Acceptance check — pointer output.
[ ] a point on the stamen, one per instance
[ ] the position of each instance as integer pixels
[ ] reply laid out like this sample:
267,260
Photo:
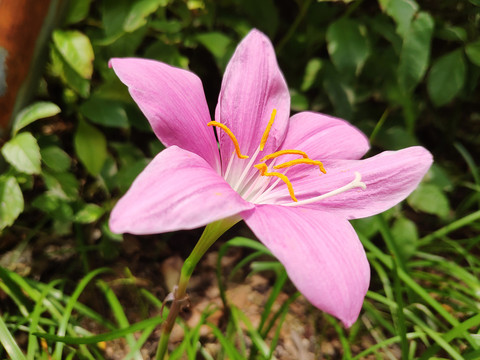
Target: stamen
301,161
357,182
267,130
284,152
229,133
263,171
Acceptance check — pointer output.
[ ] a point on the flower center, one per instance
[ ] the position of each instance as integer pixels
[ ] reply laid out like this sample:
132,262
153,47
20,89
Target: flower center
263,168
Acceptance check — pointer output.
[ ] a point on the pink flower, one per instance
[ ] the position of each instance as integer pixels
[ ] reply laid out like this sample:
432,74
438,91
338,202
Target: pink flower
300,213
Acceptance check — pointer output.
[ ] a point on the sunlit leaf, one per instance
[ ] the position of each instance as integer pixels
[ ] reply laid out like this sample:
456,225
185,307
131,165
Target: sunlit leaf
31,113
76,49
139,11
91,147
89,213
55,158
23,153
11,201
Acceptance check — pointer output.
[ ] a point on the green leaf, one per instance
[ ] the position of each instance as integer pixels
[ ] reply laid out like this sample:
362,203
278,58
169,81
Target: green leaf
9,343
11,201
105,112
402,11
76,50
311,71
415,53
89,214
36,111
473,52
55,158
430,199
405,235
218,44
62,185
58,208
139,11
77,11
23,153
339,93
67,74
446,77
91,147
347,45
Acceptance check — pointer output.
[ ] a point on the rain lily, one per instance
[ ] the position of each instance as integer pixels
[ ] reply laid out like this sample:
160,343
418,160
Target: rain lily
295,181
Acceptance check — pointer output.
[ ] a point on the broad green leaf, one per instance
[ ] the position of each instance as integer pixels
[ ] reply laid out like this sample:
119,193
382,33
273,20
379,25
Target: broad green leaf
58,208
299,102
77,11
91,147
473,52
68,75
405,235
31,113
127,174
55,158
23,153
446,77
76,50
415,53
11,201
339,93
139,11
218,44
105,112
402,11
62,185
89,214
347,45
311,71
430,199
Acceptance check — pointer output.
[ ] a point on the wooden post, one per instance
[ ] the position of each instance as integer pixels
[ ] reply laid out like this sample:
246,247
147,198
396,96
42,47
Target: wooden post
21,22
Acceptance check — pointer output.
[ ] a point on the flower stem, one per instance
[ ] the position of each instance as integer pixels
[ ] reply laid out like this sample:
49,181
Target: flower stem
211,233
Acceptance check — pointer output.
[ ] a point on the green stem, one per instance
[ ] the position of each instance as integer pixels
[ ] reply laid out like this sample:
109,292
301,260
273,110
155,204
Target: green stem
211,233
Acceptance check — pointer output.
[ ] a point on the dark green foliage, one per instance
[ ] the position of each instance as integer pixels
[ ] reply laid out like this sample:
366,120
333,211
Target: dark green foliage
406,72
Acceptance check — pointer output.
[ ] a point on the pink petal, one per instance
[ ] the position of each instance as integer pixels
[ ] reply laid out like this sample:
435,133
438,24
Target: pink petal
177,190
173,101
251,88
324,137
321,253
389,178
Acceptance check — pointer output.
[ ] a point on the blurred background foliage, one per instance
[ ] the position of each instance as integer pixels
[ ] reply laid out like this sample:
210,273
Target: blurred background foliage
405,72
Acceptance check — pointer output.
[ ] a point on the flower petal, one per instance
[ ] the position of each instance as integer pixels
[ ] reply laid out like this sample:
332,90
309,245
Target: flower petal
177,190
321,253
324,137
173,101
252,87
389,178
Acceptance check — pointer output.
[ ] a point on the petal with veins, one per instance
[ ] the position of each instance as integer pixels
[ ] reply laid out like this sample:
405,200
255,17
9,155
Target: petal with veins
177,190
321,253
174,103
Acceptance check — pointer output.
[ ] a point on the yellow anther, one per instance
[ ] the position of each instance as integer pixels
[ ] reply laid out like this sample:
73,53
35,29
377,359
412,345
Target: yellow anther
263,171
229,133
301,161
284,152
267,130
